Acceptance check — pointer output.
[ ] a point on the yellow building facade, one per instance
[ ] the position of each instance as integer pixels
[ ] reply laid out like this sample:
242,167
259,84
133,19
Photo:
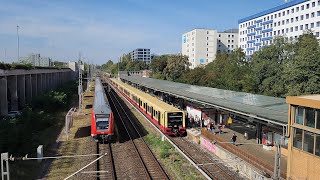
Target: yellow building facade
304,137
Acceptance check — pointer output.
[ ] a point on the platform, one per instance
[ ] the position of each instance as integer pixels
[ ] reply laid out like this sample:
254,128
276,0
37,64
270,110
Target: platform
249,151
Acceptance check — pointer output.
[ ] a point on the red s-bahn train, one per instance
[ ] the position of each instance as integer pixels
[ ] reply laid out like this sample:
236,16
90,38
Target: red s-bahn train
102,120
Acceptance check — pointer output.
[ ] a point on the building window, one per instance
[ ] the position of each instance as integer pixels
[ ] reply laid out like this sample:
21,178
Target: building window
291,29
317,34
207,38
301,27
297,9
312,25
292,10
279,14
309,117
287,30
318,116
301,17
307,16
279,23
318,24
297,138
220,34
296,28
302,7
307,26
297,18
299,115
287,21
313,4
282,22
317,148
312,15
307,6
232,35
283,13
318,13
291,20
207,32
308,142
288,12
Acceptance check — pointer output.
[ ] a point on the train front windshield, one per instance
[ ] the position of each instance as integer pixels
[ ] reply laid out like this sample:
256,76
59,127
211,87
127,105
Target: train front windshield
175,119
102,122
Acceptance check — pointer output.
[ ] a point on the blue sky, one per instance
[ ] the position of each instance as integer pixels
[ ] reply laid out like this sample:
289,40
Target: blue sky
103,30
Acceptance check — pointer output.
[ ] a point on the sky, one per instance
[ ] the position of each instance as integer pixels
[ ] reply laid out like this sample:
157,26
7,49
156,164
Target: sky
102,30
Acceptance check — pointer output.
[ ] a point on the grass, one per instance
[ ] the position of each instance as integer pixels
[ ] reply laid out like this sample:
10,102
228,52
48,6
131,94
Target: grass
61,168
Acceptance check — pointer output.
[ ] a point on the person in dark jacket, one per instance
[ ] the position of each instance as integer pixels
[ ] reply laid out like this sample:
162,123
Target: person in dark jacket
234,138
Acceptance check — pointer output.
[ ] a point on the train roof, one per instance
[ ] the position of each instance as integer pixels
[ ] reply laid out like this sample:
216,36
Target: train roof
101,104
148,98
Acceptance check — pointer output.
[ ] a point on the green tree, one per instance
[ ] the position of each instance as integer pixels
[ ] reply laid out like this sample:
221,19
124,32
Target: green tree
302,74
158,64
267,68
177,65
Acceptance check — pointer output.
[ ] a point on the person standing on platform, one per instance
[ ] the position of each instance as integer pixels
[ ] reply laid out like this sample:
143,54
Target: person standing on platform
234,139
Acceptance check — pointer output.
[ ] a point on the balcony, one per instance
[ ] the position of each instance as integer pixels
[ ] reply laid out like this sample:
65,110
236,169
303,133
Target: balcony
267,22
251,34
252,41
266,38
259,21
250,27
251,49
267,30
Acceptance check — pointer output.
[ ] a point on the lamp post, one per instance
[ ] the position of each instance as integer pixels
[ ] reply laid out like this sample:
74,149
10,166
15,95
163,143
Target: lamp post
18,40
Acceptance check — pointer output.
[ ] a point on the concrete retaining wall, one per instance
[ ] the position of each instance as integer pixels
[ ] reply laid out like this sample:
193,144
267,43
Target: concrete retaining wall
232,160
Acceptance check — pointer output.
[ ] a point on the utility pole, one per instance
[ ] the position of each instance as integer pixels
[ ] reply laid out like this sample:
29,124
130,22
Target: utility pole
80,84
119,60
277,160
18,42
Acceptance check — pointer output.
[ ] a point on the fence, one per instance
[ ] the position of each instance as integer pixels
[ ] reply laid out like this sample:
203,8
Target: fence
69,122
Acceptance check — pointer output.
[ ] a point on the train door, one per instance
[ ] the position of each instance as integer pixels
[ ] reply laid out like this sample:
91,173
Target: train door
139,102
159,118
147,108
152,112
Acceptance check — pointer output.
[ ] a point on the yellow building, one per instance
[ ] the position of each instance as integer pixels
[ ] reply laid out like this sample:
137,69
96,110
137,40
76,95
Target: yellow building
304,137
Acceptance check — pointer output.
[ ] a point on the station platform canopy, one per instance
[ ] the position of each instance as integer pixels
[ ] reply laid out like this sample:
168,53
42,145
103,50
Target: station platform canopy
266,108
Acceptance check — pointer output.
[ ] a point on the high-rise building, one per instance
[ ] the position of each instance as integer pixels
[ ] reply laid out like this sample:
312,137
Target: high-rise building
202,45
290,20
141,54
37,60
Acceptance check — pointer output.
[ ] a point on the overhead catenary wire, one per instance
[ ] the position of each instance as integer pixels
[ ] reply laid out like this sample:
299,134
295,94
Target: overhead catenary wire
85,167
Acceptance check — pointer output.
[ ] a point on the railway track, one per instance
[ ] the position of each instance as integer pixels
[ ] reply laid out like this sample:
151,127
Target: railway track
105,166
147,166
212,167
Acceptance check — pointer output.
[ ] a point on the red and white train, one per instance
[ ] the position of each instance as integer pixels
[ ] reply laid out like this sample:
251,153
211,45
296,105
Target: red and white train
102,120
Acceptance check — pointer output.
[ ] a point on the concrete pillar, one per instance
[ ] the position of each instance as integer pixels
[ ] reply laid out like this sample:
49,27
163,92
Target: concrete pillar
258,133
39,84
44,83
28,82
21,90
13,93
3,96
34,81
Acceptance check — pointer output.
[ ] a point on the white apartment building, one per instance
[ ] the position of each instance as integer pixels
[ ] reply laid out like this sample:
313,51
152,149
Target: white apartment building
141,54
202,45
228,40
290,20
